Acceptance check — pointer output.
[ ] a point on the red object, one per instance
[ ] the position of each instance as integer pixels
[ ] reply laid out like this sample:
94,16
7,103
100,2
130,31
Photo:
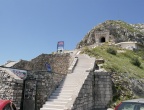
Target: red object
3,103
116,108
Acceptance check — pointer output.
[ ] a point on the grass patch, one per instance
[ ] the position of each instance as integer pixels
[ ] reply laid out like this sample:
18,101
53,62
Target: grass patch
121,62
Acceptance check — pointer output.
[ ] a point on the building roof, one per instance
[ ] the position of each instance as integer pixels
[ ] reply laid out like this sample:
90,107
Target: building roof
126,43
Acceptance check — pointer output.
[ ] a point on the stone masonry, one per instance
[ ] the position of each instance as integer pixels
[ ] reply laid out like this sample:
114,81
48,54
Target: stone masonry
99,35
96,92
102,90
10,87
59,63
85,100
45,85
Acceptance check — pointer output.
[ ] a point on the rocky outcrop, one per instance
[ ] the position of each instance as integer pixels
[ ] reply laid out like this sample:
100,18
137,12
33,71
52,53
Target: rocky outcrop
139,27
137,87
119,31
126,88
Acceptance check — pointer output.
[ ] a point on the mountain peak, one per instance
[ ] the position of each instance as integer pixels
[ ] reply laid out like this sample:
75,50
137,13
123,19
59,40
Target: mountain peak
113,31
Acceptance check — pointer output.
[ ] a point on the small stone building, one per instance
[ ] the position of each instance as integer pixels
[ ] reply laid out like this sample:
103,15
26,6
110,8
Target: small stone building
101,36
130,45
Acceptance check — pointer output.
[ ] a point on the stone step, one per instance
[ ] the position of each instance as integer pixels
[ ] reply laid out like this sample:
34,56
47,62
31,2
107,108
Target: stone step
56,102
64,91
74,77
73,82
68,84
56,94
50,109
60,96
60,100
68,87
53,106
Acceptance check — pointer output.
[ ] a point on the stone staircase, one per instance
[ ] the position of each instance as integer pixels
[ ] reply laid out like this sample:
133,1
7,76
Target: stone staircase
64,96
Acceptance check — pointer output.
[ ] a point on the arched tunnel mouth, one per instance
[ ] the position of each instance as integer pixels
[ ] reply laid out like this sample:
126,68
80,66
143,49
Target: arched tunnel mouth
102,39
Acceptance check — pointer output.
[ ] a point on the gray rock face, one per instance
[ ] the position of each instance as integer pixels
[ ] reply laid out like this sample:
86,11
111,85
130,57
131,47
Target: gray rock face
125,86
137,87
119,31
138,26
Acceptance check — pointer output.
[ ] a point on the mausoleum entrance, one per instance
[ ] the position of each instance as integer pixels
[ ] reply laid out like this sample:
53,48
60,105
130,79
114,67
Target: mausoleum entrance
102,39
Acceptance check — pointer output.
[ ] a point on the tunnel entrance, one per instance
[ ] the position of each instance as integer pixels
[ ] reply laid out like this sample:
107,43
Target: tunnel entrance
102,39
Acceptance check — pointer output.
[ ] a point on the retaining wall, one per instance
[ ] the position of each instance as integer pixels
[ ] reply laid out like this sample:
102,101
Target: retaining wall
85,100
102,90
96,92
45,84
10,87
58,62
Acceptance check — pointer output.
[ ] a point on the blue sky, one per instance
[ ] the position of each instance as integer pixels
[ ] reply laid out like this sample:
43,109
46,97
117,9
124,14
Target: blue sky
29,28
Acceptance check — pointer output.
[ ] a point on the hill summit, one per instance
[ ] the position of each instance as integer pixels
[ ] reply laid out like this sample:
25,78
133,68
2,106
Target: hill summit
113,31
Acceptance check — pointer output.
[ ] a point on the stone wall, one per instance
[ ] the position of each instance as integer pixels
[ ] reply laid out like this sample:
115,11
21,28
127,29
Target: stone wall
30,93
10,87
85,100
59,63
96,92
45,84
102,89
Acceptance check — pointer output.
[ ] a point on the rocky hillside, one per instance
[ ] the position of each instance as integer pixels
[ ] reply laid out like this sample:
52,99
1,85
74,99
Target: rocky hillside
119,31
139,27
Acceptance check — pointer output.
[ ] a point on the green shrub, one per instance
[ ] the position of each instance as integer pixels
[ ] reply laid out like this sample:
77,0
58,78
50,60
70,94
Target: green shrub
135,61
111,68
111,51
